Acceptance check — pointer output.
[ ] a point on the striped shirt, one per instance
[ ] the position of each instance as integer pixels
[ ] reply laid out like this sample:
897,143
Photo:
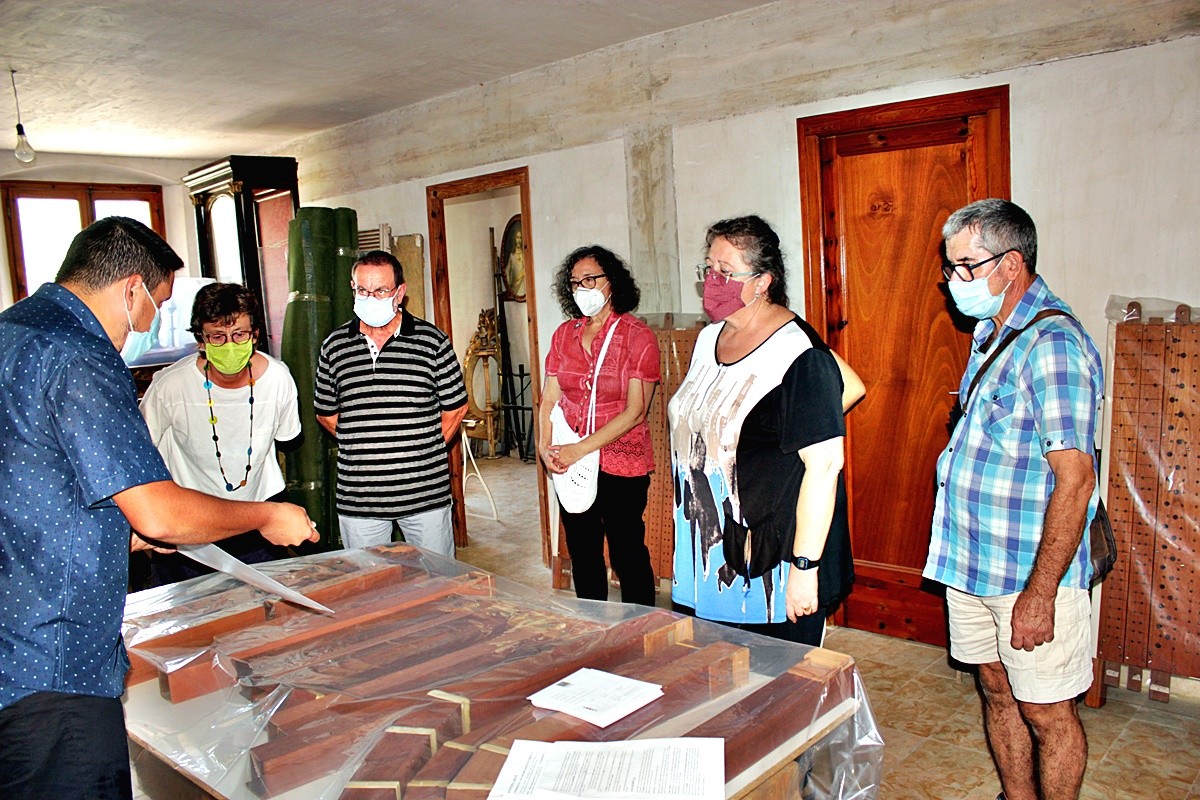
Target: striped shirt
1042,394
392,458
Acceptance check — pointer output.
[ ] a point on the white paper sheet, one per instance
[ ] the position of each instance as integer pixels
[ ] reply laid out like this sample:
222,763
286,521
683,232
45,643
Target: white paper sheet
680,769
600,698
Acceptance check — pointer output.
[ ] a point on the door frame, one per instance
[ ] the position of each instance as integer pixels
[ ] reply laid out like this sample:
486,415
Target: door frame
435,201
984,112
991,179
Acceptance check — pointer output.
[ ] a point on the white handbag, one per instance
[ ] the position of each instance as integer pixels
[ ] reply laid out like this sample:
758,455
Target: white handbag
576,488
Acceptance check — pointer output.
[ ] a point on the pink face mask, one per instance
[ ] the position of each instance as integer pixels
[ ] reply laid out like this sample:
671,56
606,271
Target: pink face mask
721,299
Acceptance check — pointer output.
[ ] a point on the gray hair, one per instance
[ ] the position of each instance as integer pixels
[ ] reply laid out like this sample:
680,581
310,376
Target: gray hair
1002,225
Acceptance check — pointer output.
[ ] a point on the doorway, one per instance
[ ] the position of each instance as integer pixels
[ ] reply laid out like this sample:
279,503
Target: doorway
494,188
876,185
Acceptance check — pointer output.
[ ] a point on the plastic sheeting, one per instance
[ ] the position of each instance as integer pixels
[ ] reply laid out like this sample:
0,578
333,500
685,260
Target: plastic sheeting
418,684
1150,608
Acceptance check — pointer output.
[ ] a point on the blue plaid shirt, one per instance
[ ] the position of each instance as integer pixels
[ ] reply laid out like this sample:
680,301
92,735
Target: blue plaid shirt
1042,394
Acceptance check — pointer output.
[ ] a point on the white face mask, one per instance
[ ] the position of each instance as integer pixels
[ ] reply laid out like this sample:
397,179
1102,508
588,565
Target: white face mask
375,312
590,301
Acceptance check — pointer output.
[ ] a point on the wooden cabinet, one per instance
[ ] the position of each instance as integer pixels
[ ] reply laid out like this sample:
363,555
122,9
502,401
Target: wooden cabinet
243,207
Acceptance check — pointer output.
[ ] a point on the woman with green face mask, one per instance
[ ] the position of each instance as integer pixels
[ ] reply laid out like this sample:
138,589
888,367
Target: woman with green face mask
220,416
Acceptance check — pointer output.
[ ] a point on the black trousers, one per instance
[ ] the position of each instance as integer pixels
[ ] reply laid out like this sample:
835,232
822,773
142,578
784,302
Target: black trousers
616,516
64,746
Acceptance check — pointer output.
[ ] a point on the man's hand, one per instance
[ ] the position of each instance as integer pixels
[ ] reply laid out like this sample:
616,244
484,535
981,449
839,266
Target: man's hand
801,593
289,526
1032,620
137,544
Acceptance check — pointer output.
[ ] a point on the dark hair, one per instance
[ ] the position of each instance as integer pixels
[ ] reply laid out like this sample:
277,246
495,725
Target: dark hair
220,303
625,292
759,245
114,248
380,258
1001,225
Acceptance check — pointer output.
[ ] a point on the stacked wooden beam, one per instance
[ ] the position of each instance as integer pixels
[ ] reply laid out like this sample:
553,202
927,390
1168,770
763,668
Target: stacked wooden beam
419,682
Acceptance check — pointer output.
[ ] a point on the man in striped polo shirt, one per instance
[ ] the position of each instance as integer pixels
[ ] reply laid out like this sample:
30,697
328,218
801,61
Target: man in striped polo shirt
390,390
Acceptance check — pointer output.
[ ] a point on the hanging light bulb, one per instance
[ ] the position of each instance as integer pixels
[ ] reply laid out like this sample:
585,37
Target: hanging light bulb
24,150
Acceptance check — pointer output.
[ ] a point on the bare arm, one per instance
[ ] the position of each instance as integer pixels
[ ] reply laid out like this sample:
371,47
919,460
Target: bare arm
853,389
329,423
551,393
166,512
636,403
1062,530
451,421
814,514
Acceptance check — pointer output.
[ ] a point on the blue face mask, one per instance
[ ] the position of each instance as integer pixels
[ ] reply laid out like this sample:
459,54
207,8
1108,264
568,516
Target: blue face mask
975,298
138,343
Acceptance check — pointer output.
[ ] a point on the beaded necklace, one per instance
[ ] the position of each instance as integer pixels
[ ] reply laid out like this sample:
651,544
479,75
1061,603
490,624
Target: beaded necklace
212,420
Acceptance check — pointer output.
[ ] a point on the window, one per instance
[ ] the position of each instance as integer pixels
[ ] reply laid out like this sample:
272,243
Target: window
41,219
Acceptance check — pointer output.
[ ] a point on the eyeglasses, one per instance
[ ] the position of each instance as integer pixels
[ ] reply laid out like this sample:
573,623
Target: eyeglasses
378,294
221,337
586,282
719,275
966,272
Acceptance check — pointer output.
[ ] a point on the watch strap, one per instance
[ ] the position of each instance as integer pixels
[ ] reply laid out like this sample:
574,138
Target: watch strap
800,562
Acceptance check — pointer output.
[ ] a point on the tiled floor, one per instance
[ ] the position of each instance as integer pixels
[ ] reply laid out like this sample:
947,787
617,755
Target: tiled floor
928,713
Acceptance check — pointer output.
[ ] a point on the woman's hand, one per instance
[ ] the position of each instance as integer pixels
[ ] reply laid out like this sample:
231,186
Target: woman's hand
801,593
568,454
550,457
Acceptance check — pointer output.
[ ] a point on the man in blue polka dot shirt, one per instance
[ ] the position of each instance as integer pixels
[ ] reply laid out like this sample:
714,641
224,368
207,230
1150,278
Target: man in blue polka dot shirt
77,471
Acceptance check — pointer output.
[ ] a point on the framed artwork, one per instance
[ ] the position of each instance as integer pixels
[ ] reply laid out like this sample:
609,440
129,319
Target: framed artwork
512,260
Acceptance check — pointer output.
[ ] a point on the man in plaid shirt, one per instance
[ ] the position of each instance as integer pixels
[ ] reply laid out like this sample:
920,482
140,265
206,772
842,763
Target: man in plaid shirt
1016,489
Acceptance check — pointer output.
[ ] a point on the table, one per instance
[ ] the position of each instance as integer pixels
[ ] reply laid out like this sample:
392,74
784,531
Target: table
417,685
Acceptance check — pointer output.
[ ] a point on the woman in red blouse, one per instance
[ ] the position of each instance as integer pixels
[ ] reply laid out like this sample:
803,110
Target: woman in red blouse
595,288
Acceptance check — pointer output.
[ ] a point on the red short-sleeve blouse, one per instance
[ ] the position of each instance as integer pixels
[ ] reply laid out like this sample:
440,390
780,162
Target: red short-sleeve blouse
633,353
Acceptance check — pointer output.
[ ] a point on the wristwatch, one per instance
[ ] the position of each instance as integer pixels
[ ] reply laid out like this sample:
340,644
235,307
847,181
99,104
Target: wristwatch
800,562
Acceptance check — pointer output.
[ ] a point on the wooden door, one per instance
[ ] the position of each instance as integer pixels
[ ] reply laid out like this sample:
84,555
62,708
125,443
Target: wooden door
876,186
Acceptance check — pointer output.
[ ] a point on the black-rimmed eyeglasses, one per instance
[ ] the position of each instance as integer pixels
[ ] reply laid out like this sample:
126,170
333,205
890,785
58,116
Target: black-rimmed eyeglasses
221,337
966,272
586,282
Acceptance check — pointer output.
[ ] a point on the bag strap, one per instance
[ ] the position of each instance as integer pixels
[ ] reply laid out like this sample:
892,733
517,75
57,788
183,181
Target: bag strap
591,423
1005,342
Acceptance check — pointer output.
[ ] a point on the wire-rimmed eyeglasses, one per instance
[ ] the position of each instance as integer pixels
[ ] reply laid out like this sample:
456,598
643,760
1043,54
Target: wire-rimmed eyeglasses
378,294
719,275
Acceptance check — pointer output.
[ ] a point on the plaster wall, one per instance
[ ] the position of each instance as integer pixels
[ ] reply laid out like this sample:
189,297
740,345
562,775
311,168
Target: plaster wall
578,196
168,173
1103,149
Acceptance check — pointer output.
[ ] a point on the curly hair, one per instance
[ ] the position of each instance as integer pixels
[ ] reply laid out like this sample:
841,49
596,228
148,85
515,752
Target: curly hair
221,303
625,292
759,245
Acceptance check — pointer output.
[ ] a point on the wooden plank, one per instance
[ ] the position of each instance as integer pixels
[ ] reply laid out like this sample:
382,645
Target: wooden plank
767,718
198,677
202,627
1175,599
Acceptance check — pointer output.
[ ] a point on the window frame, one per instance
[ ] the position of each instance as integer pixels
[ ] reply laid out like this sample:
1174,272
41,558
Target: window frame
85,194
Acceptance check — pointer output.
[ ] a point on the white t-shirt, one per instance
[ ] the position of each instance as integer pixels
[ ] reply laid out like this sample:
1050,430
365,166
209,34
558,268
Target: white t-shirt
176,411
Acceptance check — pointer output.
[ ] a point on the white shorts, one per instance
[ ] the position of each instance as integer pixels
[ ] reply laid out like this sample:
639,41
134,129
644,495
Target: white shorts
981,633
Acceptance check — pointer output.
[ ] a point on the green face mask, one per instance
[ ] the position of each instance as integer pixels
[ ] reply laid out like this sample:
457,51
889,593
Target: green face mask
229,358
